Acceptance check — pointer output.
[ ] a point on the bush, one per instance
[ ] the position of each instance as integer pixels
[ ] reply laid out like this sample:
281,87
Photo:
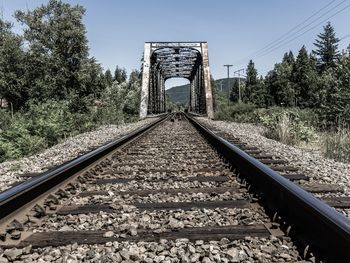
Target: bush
45,124
287,126
17,141
51,120
41,126
239,112
5,119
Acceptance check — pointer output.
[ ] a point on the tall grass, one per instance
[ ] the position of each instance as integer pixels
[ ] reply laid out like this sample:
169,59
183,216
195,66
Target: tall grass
283,129
337,144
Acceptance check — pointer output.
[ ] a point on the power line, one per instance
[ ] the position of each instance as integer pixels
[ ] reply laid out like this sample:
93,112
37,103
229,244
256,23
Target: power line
295,27
323,21
346,36
277,44
287,35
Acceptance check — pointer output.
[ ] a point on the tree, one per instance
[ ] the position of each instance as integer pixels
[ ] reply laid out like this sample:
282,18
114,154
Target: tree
304,77
120,75
280,86
57,55
288,57
133,94
251,81
335,83
12,86
259,94
108,78
327,48
234,91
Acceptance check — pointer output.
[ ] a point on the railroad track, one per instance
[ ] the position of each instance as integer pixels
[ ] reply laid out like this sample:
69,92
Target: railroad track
174,191
332,194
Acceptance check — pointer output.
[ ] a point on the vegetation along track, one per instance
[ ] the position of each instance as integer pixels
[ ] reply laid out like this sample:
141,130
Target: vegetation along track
173,191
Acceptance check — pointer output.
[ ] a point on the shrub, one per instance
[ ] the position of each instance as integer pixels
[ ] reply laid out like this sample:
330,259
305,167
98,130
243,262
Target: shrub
17,141
51,120
287,127
5,119
239,112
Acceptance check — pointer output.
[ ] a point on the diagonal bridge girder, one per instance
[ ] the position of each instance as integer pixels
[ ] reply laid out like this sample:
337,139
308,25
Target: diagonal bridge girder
165,60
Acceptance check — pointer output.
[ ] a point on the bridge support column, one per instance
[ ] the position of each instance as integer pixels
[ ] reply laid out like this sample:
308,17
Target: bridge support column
145,81
207,83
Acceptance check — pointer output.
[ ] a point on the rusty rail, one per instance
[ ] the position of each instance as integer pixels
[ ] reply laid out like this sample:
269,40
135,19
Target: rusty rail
16,197
315,223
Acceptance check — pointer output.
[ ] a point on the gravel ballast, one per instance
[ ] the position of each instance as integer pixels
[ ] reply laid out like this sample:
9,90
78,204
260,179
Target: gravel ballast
311,162
182,250
10,171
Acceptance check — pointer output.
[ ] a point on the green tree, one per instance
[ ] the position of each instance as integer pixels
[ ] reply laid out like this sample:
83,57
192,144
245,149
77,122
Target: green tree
289,58
108,77
57,55
251,81
327,48
280,87
133,94
335,83
259,94
120,75
304,78
12,86
234,90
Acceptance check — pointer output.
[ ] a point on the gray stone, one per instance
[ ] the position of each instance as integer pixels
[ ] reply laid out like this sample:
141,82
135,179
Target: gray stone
117,257
13,253
66,228
191,249
133,231
232,254
48,258
175,224
124,254
206,260
199,242
195,257
224,241
285,256
108,234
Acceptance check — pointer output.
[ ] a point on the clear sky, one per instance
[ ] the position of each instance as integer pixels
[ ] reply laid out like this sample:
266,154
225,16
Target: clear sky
234,30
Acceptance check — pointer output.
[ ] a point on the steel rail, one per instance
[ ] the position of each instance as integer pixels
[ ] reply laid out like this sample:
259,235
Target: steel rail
12,199
314,222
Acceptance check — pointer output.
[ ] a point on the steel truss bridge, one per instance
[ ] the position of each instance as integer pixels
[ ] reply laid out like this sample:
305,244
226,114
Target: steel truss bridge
165,60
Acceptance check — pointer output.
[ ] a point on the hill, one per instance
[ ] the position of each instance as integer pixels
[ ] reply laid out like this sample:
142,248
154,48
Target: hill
181,94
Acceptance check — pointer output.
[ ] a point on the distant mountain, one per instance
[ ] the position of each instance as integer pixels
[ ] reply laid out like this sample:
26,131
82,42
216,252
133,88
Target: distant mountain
181,94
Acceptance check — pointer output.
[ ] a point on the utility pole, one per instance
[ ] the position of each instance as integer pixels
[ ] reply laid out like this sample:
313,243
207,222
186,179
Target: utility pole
239,84
228,82
221,85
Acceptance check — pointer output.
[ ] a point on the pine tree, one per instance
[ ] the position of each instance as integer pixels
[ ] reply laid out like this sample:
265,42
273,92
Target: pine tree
234,91
251,81
304,78
108,77
336,106
288,57
259,93
119,75
327,48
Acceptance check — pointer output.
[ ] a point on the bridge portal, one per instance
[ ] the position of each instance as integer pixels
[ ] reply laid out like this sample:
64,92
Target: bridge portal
164,60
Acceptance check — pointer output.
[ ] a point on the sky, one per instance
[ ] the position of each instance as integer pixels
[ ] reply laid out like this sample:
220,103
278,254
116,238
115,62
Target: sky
236,31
